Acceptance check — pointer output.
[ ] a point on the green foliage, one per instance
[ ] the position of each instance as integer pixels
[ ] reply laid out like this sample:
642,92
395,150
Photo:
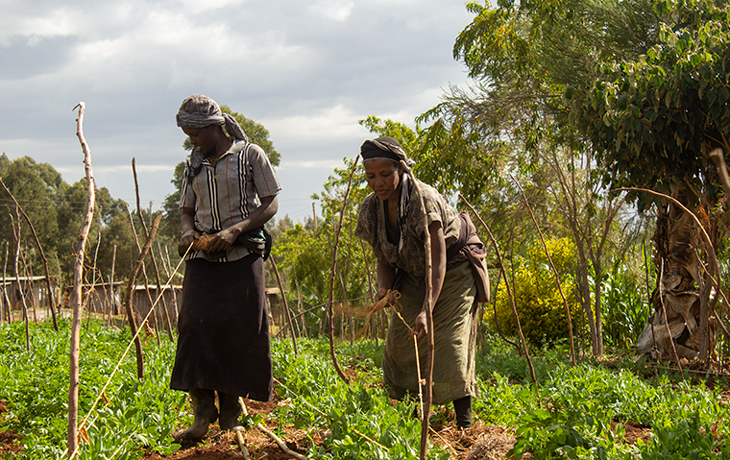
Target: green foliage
140,415
353,413
625,303
654,117
574,412
537,298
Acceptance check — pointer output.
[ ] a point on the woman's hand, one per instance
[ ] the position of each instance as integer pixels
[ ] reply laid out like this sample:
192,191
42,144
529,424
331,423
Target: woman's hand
420,329
186,240
224,239
382,292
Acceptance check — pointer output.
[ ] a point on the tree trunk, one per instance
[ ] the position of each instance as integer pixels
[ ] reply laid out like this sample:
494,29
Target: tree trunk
685,292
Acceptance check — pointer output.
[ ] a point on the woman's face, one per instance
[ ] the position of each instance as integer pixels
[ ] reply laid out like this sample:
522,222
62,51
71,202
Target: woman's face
203,139
383,176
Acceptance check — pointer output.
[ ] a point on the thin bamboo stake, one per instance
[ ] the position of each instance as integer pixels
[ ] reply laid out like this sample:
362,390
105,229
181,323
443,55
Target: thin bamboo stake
16,234
75,302
509,290
6,299
286,307
42,254
130,288
333,273
555,272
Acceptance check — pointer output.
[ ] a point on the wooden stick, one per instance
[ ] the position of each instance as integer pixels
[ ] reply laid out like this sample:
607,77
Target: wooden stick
239,440
152,256
333,273
40,251
666,318
428,306
21,291
509,290
282,445
286,307
555,272
6,299
75,302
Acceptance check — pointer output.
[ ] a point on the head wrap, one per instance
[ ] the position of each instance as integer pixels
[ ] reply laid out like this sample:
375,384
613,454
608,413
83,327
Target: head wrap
384,147
200,111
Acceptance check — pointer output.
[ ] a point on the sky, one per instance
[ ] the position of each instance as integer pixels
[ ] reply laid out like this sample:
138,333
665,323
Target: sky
307,70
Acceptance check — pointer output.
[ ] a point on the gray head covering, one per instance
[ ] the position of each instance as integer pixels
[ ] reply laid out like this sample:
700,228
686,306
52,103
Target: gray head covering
200,111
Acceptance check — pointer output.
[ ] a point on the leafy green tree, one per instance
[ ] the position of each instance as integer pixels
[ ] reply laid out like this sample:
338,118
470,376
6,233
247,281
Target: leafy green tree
37,188
653,119
639,85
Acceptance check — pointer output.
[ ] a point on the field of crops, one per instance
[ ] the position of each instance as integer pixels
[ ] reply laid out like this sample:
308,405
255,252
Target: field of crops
592,410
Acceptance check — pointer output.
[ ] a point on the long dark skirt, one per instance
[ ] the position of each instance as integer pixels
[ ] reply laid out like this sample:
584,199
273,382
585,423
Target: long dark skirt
223,327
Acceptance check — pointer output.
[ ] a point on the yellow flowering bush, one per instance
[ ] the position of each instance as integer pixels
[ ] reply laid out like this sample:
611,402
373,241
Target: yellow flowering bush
538,301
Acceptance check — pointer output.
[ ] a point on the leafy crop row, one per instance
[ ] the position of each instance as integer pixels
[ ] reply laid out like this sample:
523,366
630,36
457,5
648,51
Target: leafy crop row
574,412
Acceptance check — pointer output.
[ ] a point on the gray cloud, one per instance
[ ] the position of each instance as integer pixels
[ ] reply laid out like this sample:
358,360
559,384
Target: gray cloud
307,70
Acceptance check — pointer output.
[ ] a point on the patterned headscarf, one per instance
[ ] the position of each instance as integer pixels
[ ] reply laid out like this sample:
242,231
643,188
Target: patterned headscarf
384,147
200,111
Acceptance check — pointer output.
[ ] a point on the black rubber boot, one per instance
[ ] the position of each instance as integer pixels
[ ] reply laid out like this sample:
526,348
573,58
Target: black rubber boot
462,407
230,411
203,402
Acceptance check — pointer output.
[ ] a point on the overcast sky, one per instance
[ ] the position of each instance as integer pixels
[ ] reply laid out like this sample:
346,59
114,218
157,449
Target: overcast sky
308,70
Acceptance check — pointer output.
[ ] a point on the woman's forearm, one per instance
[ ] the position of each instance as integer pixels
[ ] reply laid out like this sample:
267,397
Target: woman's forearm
438,260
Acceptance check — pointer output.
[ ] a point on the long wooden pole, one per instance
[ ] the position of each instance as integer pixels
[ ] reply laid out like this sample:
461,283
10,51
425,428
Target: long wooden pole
503,271
286,307
40,250
555,272
75,301
5,299
130,289
330,308
21,290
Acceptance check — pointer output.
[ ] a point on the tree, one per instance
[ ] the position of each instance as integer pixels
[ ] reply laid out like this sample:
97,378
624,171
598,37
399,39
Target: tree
655,117
642,86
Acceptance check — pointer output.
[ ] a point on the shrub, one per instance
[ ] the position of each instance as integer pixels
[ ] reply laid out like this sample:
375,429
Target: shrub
538,301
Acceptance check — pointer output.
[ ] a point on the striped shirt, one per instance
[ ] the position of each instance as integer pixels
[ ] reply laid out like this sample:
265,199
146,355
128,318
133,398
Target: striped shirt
225,193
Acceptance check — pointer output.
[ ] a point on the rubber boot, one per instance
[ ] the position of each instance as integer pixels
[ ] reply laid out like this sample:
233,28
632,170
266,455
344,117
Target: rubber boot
462,407
203,402
230,411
